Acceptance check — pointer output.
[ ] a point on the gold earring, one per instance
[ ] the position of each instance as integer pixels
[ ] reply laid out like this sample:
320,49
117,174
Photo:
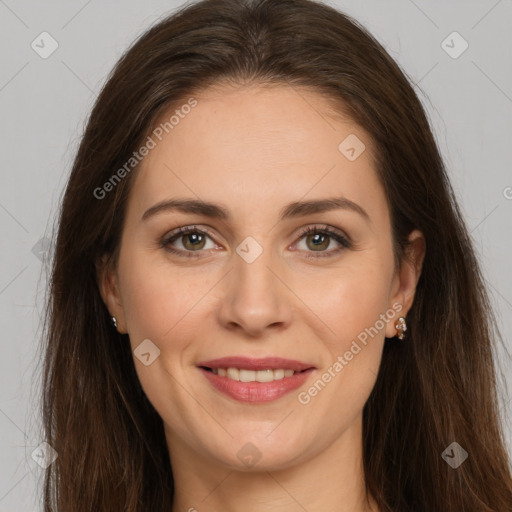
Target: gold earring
402,327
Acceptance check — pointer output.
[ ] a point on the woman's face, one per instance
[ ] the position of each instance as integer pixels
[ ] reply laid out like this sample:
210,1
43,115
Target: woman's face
250,284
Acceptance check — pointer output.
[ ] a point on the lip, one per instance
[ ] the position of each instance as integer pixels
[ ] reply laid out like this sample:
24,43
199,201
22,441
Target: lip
255,392
250,363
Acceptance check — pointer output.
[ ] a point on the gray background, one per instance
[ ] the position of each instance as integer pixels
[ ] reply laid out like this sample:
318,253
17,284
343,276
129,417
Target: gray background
44,103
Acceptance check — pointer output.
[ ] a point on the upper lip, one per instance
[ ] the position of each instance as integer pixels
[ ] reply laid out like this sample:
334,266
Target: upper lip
249,363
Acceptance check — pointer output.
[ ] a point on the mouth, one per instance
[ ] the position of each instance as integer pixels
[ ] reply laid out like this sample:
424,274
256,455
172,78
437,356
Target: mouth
255,380
245,375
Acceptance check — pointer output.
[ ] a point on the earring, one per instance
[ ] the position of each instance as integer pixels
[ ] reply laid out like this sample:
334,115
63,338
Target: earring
114,322
402,327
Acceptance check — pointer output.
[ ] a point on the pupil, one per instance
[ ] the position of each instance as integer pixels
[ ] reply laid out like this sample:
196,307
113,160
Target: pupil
193,239
319,240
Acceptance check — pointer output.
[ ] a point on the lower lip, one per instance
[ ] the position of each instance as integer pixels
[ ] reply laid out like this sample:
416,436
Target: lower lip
256,391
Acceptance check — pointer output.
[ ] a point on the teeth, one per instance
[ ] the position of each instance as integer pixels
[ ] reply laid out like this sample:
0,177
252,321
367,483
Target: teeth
279,374
253,375
233,373
247,375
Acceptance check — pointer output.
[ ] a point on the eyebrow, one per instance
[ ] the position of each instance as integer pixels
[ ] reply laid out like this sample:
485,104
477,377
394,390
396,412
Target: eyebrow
292,210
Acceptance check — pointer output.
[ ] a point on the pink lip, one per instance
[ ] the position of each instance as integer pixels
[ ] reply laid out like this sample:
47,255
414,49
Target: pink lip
256,391
249,363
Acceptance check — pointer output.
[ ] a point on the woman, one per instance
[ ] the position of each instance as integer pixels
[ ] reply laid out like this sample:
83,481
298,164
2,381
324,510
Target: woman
264,296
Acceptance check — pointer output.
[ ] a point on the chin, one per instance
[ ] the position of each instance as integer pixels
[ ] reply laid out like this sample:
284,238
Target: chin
259,452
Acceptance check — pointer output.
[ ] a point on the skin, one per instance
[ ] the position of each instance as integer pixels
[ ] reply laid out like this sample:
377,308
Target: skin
254,150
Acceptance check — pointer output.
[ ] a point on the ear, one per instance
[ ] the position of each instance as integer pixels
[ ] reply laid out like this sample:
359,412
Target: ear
405,280
107,280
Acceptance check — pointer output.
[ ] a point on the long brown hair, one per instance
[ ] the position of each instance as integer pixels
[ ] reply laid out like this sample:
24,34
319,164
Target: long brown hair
436,387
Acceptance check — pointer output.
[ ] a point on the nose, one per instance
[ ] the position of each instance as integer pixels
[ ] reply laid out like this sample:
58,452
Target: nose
255,297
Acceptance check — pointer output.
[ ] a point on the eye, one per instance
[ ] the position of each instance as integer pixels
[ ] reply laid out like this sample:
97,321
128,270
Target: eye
190,238
318,238
193,240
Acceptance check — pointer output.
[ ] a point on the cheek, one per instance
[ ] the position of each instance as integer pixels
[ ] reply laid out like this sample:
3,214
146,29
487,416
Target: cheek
352,307
158,305
153,299
350,301
165,303
159,297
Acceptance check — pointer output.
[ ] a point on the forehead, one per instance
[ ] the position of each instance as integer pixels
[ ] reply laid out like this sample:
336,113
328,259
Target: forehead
259,146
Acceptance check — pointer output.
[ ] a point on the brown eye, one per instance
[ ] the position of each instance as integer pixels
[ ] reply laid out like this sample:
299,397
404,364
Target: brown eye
187,240
318,239
193,241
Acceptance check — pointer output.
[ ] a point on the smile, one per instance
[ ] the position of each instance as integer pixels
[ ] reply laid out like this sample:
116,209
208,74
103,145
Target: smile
242,375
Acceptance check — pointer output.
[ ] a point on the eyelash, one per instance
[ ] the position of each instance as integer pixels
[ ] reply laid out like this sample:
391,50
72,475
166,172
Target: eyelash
310,230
